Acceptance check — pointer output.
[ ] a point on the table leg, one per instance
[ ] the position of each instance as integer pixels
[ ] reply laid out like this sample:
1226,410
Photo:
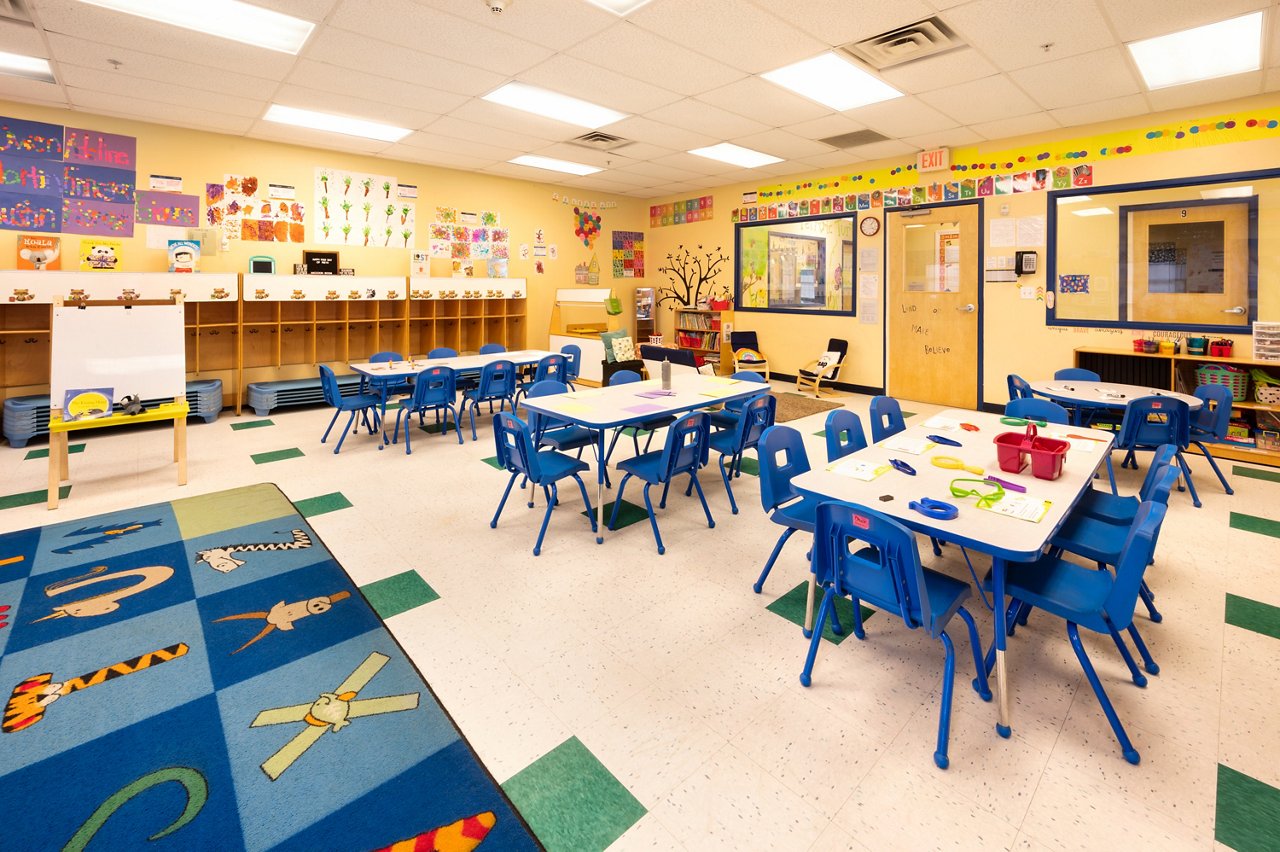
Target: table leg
600,488
1003,727
808,607
64,455
55,466
180,447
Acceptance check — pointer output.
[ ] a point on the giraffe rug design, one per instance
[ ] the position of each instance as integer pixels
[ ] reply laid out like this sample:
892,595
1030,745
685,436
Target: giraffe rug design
203,674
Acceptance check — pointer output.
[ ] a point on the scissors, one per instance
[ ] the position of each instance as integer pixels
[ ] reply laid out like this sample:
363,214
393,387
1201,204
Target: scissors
953,463
902,467
936,509
938,439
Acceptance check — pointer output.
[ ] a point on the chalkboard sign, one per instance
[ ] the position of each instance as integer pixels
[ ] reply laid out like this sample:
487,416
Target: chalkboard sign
320,262
135,349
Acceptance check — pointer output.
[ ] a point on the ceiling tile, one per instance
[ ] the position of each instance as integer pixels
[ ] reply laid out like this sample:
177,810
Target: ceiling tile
829,125
153,111
1206,92
834,160
981,100
901,117
645,151
22,39
631,51
837,22
436,158
314,99
22,89
556,24
590,82
89,80
468,131
657,171
308,10
746,36
438,33
699,167
579,154
934,72
1101,110
1017,126
1011,32
361,53
656,133
438,143
1096,76
752,96
321,139
497,120
782,144
704,118
524,173
383,90
1138,19
953,138
883,150
673,189
599,182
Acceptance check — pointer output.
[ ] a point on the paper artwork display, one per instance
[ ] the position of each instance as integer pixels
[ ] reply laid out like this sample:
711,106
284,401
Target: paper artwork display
39,252
1073,283
167,208
464,235
100,255
628,254
359,209
586,226
241,207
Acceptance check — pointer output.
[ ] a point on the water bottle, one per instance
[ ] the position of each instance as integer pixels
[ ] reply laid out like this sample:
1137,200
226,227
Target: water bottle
666,374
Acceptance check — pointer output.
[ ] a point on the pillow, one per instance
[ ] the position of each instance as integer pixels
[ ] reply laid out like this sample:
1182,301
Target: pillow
624,349
607,338
828,359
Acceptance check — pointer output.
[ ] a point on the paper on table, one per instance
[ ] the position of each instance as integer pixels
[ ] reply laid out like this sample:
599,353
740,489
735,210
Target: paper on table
1024,507
569,407
857,469
913,446
588,393
656,394
719,392
644,408
946,424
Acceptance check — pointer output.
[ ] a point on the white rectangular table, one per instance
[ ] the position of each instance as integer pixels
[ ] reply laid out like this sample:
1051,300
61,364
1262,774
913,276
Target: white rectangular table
600,409
1005,539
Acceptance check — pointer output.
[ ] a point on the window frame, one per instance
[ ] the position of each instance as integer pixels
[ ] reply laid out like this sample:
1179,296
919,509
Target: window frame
768,224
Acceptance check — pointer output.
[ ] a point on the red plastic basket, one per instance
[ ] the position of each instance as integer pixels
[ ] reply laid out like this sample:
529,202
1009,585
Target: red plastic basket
1047,455
1010,451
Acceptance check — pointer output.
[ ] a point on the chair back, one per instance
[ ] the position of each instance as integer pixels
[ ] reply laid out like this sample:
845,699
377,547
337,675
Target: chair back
552,367
749,376
572,353
1163,457
329,386
841,348
757,415
497,379
1150,421
682,361
492,348
434,386
844,434
887,574
443,352
1214,414
782,458
1037,409
886,418
1139,546
743,340
686,447
1019,388
385,357
1076,374
540,423
624,377
514,444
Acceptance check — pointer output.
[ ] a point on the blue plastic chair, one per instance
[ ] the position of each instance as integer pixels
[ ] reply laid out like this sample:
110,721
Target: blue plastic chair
844,434
783,458
1149,422
572,353
886,418
551,368
1211,422
363,403
626,377
1076,374
1122,510
1031,408
544,469
443,352
684,452
1096,600
492,348
745,435
555,433
434,391
727,417
889,576
1019,388
384,386
497,384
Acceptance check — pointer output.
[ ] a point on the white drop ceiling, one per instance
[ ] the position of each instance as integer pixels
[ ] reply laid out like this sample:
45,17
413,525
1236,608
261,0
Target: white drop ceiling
685,71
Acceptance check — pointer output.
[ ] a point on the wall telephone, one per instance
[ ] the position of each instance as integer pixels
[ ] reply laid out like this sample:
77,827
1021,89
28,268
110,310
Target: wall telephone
1025,262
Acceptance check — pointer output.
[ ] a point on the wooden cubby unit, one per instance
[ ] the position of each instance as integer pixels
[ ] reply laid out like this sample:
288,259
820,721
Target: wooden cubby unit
702,333
465,313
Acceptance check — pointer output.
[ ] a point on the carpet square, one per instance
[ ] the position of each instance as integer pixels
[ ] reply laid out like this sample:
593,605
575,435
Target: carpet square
251,424
1254,473
628,514
492,461
85,543
1248,812
276,455
791,606
225,510
1253,615
571,801
399,593
31,498
749,466
43,453
325,503
1254,524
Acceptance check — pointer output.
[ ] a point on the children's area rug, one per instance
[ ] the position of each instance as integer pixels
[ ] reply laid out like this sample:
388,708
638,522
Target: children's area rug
202,674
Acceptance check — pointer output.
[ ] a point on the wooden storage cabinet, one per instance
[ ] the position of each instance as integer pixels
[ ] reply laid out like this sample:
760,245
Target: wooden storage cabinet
702,332
465,313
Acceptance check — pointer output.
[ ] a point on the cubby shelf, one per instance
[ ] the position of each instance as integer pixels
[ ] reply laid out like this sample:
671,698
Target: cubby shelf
703,332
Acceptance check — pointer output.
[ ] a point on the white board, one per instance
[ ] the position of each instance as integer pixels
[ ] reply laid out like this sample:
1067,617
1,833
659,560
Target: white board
139,349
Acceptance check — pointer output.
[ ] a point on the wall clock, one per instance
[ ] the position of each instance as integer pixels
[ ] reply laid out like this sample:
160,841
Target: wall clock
870,226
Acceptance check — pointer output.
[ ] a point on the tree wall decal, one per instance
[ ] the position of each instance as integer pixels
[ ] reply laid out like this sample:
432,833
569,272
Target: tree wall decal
691,276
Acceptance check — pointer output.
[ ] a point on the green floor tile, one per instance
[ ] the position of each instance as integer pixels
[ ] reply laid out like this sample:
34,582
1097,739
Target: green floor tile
629,514
820,434
1253,615
251,424
1253,524
1254,473
276,455
1248,812
791,607
31,498
44,453
750,466
571,801
401,593
312,506
907,414
492,461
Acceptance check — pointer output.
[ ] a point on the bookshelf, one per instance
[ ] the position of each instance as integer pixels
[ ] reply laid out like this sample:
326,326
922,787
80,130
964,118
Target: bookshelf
702,332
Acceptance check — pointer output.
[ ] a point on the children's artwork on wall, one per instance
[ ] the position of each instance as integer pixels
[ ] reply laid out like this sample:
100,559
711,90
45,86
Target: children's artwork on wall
100,149
1073,283
497,267
1062,177
167,208
537,267
1082,176
440,248
586,226
243,208
80,216
354,208
39,252
100,255
628,254
25,211
680,212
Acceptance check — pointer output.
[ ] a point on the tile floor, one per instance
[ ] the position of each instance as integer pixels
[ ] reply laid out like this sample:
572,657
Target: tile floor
653,702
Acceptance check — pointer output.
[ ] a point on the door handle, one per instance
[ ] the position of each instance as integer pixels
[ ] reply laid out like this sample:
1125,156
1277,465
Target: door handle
1238,309
968,309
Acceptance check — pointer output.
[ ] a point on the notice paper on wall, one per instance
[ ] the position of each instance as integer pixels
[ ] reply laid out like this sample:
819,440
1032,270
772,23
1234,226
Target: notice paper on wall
868,259
1003,233
1030,230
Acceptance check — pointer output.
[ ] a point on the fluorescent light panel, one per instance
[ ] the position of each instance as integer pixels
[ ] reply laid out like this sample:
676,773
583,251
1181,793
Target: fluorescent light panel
1093,211
554,165
343,124
1228,47
229,19
31,67
554,105
736,155
1228,192
1073,199
620,8
833,82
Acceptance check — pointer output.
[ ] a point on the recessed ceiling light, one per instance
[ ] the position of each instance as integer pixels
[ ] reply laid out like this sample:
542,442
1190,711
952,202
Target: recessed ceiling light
553,105
31,67
1228,192
552,164
1093,211
1228,47
230,19
1073,199
736,155
346,125
618,7
833,82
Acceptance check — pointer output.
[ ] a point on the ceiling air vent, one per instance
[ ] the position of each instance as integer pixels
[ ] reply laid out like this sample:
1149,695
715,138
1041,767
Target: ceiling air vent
15,10
853,140
595,140
929,37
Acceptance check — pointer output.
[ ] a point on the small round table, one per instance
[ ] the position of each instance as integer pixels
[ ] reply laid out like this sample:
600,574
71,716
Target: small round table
1081,396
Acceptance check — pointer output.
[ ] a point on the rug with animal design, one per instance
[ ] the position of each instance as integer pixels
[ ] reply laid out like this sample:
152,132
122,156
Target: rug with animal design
203,674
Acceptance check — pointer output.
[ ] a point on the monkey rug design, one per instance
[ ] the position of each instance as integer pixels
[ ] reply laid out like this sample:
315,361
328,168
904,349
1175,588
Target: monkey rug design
203,674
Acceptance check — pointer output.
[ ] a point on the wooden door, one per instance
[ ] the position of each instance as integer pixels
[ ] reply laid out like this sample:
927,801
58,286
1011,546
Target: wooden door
932,300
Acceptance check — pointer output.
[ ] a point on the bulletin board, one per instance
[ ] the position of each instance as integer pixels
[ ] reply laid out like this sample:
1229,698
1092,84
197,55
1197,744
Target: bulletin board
134,349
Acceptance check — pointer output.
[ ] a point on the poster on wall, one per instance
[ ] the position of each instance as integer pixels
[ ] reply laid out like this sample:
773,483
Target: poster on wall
462,235
628,254
101,255
168,208
357,209
242,208
38,252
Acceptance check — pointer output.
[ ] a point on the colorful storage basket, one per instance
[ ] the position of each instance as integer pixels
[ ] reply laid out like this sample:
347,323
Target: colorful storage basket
1266,388
1234,378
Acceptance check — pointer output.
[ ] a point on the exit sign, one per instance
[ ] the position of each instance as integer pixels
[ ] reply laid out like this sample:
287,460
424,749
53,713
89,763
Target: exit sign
932,161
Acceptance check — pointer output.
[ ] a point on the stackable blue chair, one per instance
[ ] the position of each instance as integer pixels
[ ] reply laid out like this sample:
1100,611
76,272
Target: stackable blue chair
626,377
1031,408
492,348
443,352
558,434
844,434
1019,388
572,353
434,391
888,575
782,459
1210,424
497,384
1122,510
685,452
1096,600
363,403
745,435
886,418
386,386
1076,374
727,417
516,454
551,368
1152,421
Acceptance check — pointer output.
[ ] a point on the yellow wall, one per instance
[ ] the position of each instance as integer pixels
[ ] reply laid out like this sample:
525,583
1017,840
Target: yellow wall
199,157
